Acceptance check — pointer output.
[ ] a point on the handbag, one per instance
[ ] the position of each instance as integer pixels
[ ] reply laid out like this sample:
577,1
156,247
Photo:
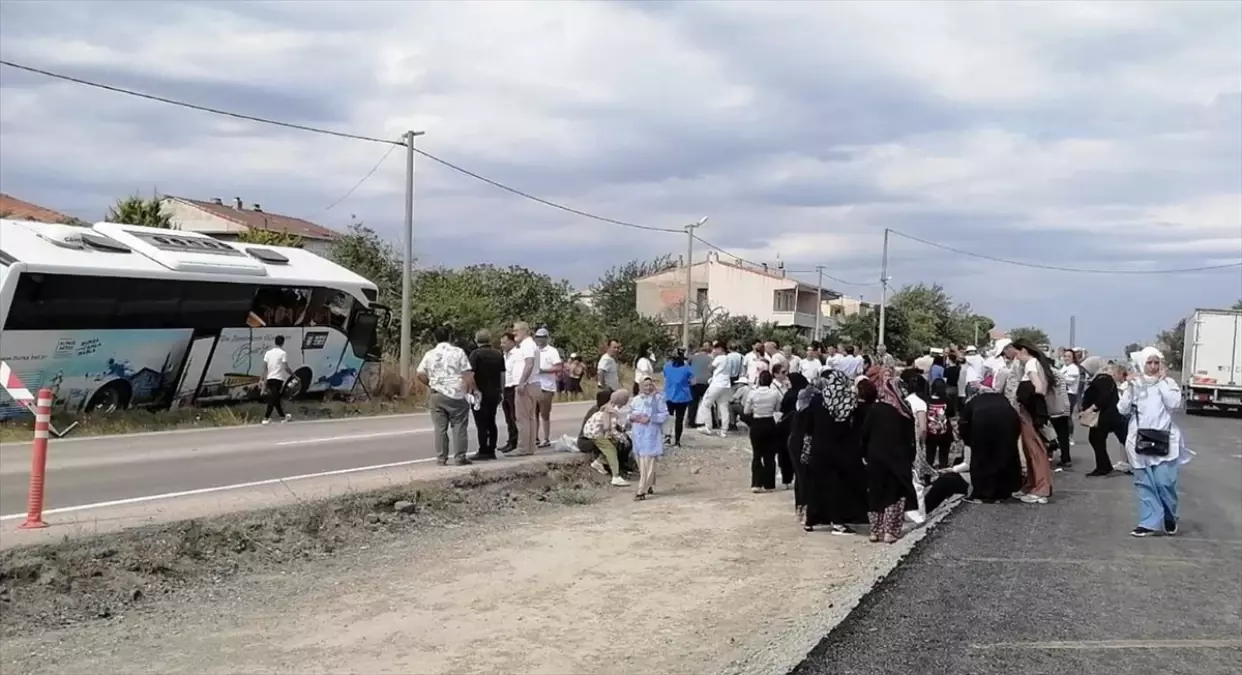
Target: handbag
1152,442
1090,417
1149,442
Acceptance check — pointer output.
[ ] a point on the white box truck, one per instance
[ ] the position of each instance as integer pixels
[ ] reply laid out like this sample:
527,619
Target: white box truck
1212,360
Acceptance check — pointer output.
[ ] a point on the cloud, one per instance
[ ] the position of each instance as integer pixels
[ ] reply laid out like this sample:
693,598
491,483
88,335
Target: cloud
1072,134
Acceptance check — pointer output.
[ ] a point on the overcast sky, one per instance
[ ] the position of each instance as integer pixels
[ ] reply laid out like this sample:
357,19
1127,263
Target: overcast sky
1102,135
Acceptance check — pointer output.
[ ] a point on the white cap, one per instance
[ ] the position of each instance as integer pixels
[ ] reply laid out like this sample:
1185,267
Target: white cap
1001,344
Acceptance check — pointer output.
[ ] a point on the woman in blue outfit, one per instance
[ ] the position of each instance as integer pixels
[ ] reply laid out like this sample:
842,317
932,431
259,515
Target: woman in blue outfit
1155,447
677,392
648,411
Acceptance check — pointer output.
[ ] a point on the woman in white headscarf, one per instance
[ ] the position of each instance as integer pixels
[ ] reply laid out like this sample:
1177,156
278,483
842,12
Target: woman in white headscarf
1155,447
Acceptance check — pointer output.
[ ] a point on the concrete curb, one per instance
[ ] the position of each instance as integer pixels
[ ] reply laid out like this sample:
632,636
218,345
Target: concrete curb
789,653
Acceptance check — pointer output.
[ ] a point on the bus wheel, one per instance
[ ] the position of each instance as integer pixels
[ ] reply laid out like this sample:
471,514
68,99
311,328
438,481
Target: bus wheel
110,398
301,387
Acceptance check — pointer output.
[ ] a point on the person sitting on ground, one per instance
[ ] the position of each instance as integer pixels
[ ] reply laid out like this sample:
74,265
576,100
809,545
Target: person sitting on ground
603,428
737,402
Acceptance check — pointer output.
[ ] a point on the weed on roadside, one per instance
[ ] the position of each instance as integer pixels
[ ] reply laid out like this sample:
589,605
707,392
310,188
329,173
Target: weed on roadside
101,577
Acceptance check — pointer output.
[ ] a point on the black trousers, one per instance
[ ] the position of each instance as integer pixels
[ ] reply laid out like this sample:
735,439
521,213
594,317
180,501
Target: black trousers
485,421
678,411
508,405
784,460
938,447
696,397
946,485
272,389
1097,436
1062,425
764,442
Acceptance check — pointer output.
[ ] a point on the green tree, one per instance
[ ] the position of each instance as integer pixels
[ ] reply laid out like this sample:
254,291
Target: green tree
1174,341
616,293
1031,334
926,310
270,238
135,210
1131,348
1237,305
362,250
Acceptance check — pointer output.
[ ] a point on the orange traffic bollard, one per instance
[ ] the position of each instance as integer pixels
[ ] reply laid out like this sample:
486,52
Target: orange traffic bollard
38,461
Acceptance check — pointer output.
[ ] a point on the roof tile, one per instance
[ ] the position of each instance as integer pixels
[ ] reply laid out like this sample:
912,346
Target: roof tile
263,220
17,209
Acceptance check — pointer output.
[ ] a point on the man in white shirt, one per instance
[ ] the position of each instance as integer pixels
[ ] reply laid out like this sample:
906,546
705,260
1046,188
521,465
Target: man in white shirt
974,360
719,389
883,358
813,364
513,374
756,361
276,373
924,362
445,369
772,350
607,371
528,389
831,357
550,367
850,365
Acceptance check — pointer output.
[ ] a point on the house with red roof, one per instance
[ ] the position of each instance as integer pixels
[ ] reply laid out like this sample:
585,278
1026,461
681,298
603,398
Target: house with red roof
17,209
227,221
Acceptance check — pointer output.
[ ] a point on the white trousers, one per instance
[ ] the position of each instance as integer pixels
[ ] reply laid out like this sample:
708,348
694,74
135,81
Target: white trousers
717,396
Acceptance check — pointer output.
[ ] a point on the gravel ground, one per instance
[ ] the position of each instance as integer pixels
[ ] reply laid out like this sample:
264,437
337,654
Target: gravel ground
703,577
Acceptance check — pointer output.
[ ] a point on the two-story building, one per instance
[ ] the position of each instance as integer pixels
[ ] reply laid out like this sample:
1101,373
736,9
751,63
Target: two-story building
229,221
765,293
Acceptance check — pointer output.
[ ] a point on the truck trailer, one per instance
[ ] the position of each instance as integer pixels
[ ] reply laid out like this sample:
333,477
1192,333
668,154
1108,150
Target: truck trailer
1212,361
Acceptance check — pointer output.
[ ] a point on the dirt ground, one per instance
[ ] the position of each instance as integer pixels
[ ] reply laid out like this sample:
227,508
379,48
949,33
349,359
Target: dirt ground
562,575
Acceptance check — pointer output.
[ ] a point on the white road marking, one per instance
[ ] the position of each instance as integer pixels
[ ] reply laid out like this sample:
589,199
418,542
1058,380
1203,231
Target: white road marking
353,437
218,488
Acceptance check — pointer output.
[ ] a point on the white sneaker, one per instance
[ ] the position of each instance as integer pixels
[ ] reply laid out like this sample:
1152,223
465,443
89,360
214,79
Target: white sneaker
265,421
599,468
1033,499
288,418
724,434
916,517
620,482
1019,495
706,431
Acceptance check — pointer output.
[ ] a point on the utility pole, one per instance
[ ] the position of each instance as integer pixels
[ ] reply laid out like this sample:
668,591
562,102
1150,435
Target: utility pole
883,287
1073,327
407,244
685,301
819,301
976,342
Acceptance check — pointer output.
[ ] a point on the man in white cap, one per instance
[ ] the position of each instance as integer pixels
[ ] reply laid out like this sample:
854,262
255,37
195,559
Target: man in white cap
550,367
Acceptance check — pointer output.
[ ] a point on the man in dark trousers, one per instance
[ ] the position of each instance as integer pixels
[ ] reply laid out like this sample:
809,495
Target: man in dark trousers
513,373
488,365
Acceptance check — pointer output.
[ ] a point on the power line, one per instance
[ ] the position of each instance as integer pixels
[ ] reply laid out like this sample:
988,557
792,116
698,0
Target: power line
562,207
338,134
758,264
357,185
1057,268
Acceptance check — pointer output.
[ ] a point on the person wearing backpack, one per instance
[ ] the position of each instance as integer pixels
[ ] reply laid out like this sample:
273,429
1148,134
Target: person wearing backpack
939,427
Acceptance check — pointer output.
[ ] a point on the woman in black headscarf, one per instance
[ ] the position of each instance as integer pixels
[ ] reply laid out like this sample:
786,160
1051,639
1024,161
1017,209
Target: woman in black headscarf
888,437
835,479
792,450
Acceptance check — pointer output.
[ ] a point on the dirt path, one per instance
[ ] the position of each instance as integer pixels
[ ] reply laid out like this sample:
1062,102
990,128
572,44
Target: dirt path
705,577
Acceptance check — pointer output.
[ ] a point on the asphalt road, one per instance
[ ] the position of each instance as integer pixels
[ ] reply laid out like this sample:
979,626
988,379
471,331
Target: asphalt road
96,470
1062,589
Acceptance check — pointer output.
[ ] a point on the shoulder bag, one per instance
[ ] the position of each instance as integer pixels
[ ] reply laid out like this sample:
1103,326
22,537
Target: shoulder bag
1090,417
1149,442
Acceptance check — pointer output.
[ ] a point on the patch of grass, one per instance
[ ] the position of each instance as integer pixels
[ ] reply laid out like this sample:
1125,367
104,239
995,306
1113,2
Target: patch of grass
98,577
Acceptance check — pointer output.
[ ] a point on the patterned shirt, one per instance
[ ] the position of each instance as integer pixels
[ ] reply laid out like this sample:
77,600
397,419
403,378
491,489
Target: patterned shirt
444,366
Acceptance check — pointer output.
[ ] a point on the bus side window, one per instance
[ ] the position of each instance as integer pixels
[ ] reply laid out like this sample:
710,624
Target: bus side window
330,307
149,303
214,305
280,307
63,302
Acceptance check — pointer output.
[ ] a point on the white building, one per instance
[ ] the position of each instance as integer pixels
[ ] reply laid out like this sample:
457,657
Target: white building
228,221
764,293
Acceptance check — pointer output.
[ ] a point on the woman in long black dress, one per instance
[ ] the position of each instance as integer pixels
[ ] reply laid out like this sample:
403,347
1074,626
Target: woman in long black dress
792,426
835,480
991,427
888,437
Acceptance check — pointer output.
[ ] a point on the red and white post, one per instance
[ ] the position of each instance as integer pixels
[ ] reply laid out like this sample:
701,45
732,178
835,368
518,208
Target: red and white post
38,461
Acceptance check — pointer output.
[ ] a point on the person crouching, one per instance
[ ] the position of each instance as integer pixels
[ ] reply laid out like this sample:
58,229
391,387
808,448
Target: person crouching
603,428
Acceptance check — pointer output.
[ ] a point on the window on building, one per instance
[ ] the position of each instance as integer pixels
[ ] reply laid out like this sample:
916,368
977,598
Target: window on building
700,303
784,301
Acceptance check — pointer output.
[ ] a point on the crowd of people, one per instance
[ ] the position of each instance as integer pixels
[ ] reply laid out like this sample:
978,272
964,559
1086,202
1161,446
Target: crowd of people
858,438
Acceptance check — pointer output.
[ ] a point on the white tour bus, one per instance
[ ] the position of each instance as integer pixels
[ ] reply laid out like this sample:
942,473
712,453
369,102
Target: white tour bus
115,315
